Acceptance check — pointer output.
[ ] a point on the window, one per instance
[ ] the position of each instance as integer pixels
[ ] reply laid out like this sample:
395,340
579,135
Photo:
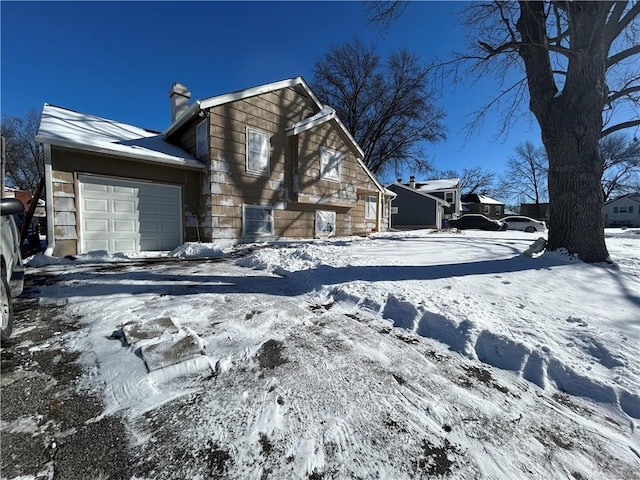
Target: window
630,208
370,204
257,152
330,164
622,209
498,210
202,140
257,220
615,209
487,210
448,197
325,223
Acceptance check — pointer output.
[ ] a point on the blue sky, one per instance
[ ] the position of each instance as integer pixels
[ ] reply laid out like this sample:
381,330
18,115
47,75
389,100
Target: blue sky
119,59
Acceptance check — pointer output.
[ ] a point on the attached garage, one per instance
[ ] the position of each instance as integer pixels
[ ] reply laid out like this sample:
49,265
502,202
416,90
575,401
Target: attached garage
115,187
119,215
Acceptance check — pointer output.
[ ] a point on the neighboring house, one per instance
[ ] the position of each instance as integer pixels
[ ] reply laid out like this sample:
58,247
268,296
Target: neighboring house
476,203
623,211
538,211
264,163
424,204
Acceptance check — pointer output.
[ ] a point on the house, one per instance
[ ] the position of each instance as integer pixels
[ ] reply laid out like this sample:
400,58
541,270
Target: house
539,211
265,163
425,204
623,211
476,203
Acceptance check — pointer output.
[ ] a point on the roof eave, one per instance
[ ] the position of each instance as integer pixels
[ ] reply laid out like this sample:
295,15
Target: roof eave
186,163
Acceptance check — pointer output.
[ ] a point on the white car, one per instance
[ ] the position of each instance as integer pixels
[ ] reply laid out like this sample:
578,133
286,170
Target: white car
12,281
526,224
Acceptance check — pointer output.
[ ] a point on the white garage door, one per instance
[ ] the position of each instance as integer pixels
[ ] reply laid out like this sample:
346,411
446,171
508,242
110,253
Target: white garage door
125,216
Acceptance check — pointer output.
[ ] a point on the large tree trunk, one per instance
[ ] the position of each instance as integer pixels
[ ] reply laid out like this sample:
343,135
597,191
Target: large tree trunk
571,124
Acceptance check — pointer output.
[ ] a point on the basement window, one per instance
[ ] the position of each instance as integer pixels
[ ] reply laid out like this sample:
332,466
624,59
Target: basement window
257,220
325,223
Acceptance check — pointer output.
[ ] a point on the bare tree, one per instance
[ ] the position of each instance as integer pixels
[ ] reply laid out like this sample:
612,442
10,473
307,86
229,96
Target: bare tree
24,157
578,64
621,158
472,180
525,176
386,106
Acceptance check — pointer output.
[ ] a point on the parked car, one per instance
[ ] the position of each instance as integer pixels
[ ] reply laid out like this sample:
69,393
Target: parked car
12,266
477,221
526,224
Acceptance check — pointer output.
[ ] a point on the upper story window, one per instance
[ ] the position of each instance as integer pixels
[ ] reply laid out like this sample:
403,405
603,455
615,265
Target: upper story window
257,151
487,209
622,209
370,204
202,138
448,197
498,209
330,164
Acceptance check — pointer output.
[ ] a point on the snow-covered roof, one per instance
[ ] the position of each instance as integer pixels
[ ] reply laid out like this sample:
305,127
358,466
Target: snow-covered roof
472,198
418,192
67,128
438,185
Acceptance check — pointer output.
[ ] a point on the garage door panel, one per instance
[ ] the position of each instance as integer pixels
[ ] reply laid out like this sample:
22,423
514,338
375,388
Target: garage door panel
95,205
128,226
95,225
124,206
129,216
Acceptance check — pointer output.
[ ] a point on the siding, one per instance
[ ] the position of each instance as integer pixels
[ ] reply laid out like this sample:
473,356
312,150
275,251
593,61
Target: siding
294,163
67,164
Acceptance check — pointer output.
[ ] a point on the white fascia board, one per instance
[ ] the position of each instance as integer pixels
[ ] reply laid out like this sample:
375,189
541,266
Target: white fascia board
178,162
324,115
413,190
239,95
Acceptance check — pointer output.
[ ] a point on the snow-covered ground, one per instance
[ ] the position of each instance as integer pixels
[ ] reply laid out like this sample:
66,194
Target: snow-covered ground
405,355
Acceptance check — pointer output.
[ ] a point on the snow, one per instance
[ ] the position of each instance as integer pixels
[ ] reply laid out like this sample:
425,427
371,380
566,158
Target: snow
438,185
399,355
60,126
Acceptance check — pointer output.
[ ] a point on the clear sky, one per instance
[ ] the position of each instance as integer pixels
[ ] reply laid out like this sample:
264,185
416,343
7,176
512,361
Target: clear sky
119,59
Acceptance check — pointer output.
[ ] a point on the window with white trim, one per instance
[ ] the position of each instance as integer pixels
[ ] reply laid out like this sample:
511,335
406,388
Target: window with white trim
448,197
257,220
622,209
325,223
330,164
370,204
487,209
257,151
498,209
202,140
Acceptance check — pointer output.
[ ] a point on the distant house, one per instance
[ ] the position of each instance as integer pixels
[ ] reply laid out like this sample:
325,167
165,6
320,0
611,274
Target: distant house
425,204
623,211
476,203
268,162
539,211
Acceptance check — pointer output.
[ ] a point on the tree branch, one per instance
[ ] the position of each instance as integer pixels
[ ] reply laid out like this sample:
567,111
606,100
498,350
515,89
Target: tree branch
618,57
619,126
622,93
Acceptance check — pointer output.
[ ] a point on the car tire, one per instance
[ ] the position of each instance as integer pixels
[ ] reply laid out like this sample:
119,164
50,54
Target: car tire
530,229
6,309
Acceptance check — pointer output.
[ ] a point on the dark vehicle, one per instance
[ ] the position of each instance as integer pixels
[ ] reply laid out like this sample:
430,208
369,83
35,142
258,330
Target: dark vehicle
478,222
12,280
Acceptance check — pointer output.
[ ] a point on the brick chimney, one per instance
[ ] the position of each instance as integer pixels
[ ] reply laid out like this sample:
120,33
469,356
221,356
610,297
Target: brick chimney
412,181
179,95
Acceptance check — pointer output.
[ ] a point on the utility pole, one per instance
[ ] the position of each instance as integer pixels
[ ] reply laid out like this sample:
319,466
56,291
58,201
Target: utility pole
3,161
